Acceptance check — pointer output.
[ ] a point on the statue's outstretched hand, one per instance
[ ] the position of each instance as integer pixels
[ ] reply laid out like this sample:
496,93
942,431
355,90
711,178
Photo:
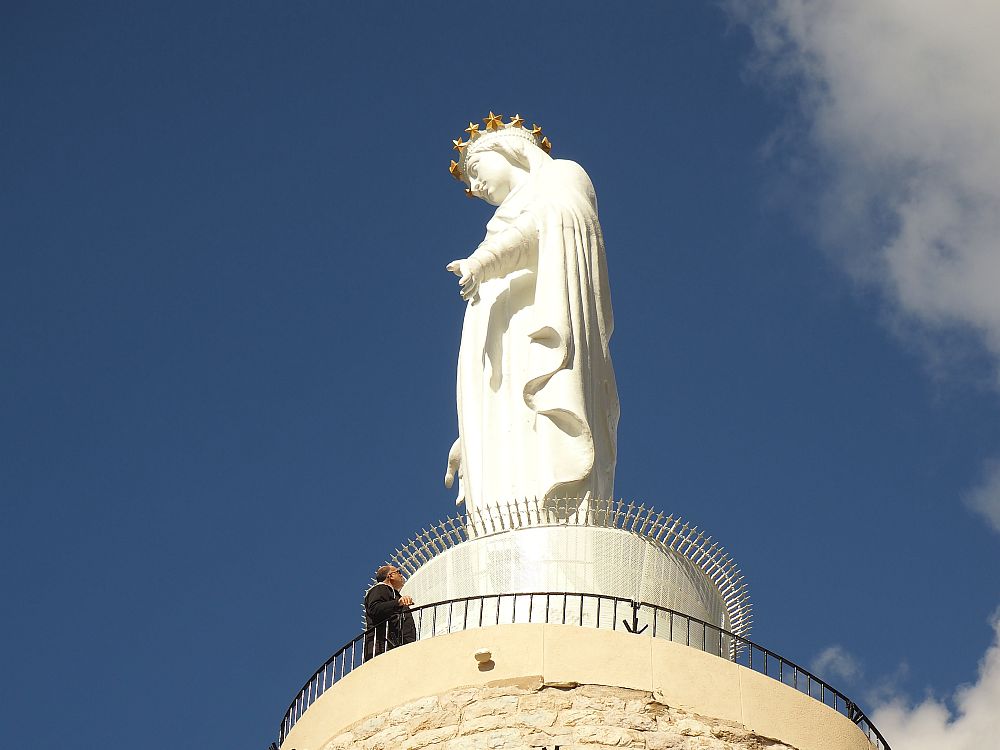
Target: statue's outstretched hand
469,273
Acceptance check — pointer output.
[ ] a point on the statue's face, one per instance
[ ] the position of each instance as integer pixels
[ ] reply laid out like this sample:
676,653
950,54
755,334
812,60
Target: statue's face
491,176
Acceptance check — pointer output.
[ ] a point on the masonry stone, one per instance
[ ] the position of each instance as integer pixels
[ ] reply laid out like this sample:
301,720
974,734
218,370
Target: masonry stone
519,717
504,704
412,709
691,727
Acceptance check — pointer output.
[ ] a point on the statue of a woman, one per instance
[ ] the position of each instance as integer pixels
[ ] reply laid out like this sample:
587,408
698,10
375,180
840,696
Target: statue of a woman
537,400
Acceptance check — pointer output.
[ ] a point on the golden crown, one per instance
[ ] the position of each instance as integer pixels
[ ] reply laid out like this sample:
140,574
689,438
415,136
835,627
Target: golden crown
495,128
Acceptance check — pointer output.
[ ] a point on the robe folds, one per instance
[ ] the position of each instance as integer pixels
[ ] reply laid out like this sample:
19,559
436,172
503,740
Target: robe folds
537,400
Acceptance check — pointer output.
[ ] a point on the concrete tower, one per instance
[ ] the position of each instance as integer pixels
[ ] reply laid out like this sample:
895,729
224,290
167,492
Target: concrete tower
543,626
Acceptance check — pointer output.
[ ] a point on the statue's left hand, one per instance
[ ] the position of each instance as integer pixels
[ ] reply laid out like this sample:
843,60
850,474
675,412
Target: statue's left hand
455,467
468,272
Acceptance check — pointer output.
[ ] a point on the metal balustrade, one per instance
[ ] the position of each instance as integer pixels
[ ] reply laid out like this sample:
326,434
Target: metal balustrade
585,610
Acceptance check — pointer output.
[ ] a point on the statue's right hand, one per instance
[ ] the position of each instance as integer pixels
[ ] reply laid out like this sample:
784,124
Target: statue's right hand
468,272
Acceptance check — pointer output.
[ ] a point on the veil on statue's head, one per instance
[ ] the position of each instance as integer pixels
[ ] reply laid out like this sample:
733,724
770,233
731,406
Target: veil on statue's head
518,151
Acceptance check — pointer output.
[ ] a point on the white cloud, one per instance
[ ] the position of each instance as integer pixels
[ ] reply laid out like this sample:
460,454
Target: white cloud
930,725
901,125
900,102
835,662
985,498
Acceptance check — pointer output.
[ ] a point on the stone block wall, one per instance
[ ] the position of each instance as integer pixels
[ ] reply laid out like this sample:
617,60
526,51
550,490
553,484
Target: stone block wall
526,713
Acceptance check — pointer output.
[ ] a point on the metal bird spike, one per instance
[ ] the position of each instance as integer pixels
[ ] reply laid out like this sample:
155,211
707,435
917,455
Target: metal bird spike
730,590
719,575
647,513
628,515
679,536
652,521
463,529
638,513
433,538
409,549
603,518
713,564
500,509
597,513
723,562
424,538
619,505
734,593
482,521
693,539
700,551
443,532
418,550
426,550
685,543
683,540
541,511
452,532
602,515
671,533
708,555
658,534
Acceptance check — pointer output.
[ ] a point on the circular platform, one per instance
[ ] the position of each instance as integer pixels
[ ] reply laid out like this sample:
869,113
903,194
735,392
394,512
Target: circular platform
607,548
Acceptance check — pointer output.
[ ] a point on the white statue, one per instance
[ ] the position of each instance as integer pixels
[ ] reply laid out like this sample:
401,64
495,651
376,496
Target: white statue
537,400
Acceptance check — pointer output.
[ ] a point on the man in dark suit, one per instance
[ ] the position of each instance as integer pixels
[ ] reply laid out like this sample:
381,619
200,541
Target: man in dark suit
387,613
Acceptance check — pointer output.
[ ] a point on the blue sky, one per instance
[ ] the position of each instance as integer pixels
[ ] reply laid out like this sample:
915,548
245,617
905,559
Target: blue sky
228,340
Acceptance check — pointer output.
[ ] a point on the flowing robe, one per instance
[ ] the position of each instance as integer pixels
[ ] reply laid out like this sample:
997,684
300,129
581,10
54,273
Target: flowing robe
537,399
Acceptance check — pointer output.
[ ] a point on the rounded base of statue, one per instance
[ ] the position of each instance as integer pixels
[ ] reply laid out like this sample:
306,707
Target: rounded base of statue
613,552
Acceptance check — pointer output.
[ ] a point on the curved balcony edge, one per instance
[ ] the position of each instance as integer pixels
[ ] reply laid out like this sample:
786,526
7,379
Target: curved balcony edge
582,610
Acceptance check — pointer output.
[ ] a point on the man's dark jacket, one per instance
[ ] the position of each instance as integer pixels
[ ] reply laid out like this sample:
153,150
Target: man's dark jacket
392,623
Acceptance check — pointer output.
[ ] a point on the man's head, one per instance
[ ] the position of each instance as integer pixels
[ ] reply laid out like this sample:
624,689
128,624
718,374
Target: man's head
390,574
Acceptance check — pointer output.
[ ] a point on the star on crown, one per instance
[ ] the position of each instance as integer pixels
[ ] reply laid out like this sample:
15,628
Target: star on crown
495,128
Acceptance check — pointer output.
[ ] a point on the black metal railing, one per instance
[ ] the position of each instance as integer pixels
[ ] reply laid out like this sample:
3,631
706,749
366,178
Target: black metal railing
586,610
